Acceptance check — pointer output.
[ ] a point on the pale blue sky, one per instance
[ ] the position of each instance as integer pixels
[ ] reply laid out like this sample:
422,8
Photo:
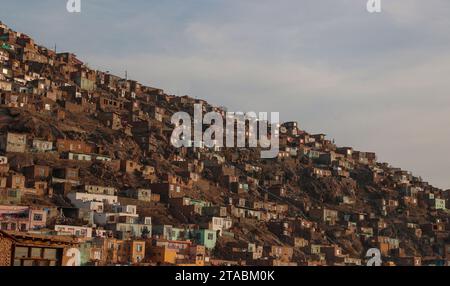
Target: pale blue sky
378,82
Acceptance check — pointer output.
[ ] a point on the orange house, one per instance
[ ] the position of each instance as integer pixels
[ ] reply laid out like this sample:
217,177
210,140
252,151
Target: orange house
162,255
65,145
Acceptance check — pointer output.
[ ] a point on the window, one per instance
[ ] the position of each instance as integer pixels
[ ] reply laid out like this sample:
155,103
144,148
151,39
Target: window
4,226
37,217
36,252
50,254
210,236
28,263
21,252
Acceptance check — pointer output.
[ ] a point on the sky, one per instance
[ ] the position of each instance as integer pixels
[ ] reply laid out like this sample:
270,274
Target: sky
377,82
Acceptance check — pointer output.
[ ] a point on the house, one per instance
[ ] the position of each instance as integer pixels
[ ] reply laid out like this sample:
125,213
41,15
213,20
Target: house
187,206
136,251
91,254
333,255
62,188
66,175
5,85
24,249
18,218
217,211
4,166
409,261
16,181
244,212
206,237
282,253
447,253
438,204
109,104
167,252
102,158
167,191
130,167
238,188
320,172
10,196
124,221
13,143
36,172
219,224
113,251
16,100
111,120
76,146
156,113
39,145
7,72
101,190
278,190
85,79
116,212
144,195
78,231
92,202
432,228
131,228
325,215
77,156
291,128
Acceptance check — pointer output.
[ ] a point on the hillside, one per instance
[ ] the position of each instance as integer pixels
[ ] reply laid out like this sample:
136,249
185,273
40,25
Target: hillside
314,200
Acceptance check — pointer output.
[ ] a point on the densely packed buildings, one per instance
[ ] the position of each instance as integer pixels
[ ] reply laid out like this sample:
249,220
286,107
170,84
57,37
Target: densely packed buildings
88,177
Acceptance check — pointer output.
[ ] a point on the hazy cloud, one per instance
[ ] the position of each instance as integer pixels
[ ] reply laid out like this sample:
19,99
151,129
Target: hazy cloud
374,81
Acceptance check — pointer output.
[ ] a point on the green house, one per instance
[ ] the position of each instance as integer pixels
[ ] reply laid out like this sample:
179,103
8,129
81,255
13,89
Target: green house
6,46
10,196
206,237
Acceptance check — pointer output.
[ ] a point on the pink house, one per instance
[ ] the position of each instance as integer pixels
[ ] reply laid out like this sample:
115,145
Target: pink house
18,218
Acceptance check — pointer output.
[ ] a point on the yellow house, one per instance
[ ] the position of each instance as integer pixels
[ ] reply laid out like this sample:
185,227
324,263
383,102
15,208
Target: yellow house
162,255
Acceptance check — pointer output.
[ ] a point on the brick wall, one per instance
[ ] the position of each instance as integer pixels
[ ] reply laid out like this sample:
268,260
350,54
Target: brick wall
5,250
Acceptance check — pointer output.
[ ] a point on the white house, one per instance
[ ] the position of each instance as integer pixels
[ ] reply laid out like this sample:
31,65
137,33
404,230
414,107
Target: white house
78,231
79,157
220,224
42,145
